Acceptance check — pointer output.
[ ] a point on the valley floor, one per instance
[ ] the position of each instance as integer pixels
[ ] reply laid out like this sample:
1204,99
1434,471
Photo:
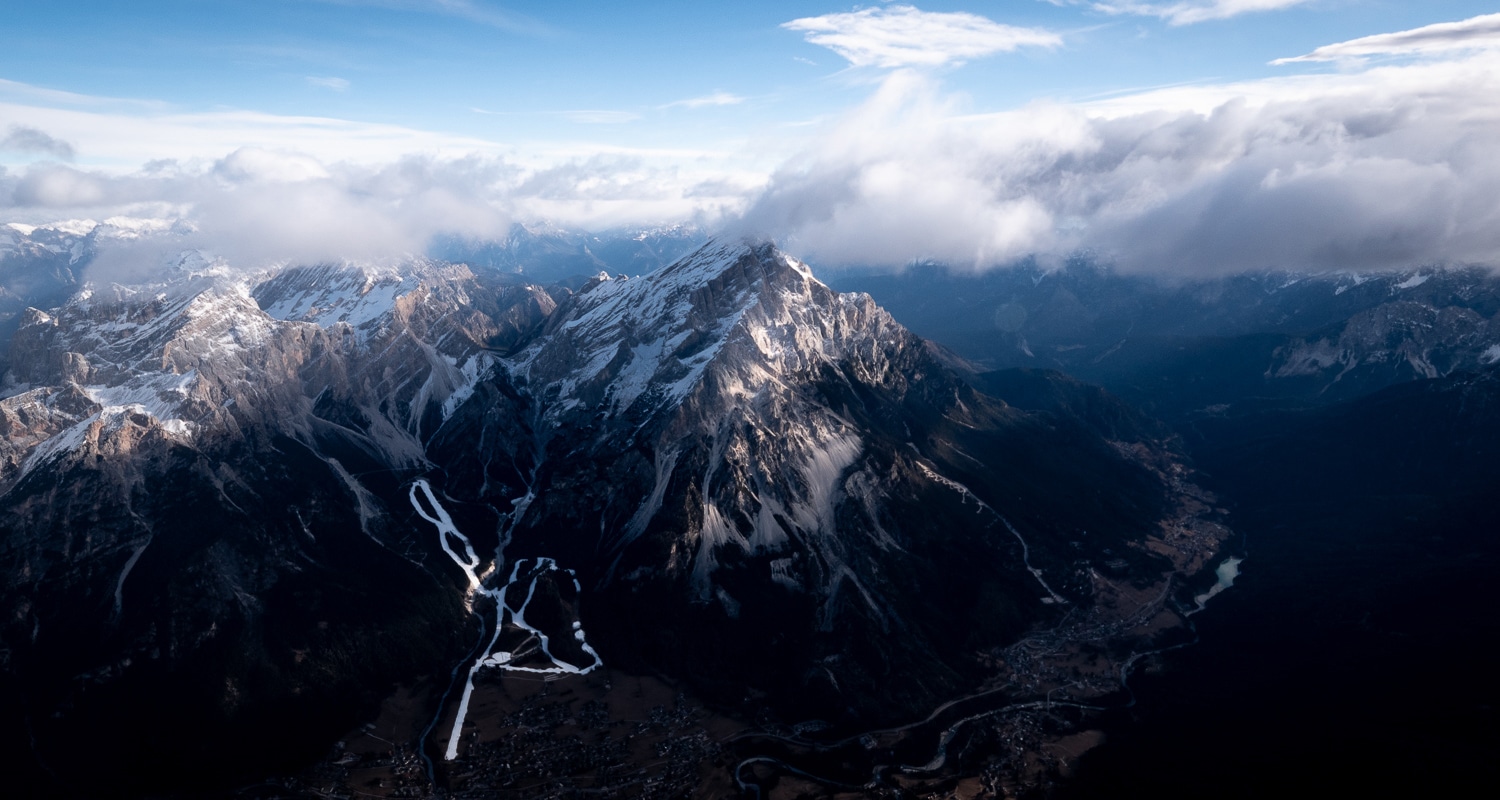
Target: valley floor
602,733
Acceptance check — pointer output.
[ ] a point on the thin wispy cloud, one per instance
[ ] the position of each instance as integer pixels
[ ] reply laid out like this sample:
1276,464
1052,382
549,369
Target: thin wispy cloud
482,13
1190,12
905,36
336,84
713,99
1481,32
124,134
29,93
588,116
24,139
583,116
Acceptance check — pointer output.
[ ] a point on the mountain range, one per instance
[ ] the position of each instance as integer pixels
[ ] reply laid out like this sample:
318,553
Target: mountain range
211,535
240,509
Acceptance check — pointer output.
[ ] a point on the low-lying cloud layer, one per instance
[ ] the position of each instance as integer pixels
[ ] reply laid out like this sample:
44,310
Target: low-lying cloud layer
258,206
1372,170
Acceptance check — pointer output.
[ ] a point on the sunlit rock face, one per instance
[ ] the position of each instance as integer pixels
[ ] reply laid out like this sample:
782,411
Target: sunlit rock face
773,483
760,483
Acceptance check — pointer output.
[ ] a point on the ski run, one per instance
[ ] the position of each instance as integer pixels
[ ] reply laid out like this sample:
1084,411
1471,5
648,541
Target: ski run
469,562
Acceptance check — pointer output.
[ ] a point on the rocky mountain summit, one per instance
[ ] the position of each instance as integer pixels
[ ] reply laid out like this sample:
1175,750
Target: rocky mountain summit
209,527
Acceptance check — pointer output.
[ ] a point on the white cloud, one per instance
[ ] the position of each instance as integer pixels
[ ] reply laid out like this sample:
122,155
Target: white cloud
1471,34
1370,170
262,204
1189,12
257,206
336,84
260,187
902,36
257,165
713,99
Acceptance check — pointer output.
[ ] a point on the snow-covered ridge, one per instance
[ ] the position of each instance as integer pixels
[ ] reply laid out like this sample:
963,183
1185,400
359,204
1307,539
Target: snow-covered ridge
717,354
80,238
330,294
629,335
117,227
649,340
166,357
203,345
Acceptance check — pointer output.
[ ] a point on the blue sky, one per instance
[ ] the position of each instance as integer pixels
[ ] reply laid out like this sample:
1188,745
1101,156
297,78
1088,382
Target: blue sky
603,113
565,69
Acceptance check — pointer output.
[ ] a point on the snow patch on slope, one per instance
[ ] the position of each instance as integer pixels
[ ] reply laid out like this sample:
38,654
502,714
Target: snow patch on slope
331,294
475,368
160,395
1413,282
626,342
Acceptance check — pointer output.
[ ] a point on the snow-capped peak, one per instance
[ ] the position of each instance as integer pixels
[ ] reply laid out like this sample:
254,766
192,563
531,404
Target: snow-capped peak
618,342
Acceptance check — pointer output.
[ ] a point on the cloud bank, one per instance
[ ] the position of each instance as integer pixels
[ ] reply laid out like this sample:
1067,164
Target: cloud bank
257,206
1373,170
904,36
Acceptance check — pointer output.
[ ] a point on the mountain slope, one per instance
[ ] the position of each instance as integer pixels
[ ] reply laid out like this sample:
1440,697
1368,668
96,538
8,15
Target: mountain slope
181,552
208,515
770,483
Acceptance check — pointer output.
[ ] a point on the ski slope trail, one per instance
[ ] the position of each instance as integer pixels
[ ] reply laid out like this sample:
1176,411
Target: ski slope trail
468,561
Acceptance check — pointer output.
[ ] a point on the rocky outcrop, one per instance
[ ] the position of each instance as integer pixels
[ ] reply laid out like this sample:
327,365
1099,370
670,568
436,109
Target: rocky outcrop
1389,344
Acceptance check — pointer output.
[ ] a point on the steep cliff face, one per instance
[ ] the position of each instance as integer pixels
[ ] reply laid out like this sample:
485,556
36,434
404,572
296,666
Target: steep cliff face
760,483
772,484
